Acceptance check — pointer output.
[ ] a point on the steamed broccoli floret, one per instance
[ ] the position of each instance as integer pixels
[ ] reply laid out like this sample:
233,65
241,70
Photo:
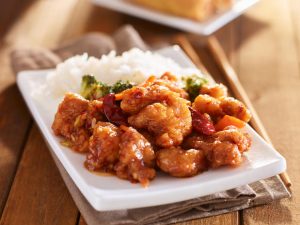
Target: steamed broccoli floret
88,83
92,89
120,86
193,85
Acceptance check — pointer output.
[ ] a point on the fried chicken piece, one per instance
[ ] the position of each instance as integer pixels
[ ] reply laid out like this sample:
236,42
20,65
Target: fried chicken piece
181,163
169,124
149,137
233,135
224,154
198,141
103,147
234,107
94,113
136,157
207,104
72,106
170,81
65,123
91,116
217,91
158,90
160,111
217,108
136,98
217,153
222,148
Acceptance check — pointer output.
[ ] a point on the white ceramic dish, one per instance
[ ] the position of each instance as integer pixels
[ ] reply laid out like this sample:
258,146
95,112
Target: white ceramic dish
203,28
111,193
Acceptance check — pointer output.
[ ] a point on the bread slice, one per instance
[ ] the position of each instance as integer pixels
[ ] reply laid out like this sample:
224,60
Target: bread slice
193,9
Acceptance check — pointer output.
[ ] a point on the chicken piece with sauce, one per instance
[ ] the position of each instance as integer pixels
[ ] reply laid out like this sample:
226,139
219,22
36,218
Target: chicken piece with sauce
153,90
233,107
217,91
159,109
75,119
169,124
213,100
235,136
170,81
167,116
207,104
103,147
181,163
136,157
65,124
222,148
94,114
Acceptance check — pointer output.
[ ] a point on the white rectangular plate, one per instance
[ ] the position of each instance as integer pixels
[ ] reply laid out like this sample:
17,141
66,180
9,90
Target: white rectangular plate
203,28
111,193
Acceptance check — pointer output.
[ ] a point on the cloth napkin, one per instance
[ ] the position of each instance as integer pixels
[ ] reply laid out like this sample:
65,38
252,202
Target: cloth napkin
96,44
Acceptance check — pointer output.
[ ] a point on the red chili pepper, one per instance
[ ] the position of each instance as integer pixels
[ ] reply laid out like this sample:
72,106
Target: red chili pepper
113,112
201,123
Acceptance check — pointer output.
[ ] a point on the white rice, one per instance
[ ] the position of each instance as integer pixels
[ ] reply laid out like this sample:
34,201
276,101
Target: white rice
134,65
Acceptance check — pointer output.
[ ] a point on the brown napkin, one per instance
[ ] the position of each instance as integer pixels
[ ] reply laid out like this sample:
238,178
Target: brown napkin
96,44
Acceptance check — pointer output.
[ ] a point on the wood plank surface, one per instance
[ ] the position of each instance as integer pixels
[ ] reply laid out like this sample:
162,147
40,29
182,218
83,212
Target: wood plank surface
38,195
225,219
28,30
10,11
14,117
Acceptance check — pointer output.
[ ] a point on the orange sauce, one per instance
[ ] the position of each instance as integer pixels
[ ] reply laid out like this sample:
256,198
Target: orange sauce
99,173
102,173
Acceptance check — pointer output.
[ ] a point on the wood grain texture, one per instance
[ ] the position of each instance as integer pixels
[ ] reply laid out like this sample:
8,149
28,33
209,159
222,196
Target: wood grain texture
269,71
9,11
14,117
294,6
42,24
81,221
90,18
38,195
225,219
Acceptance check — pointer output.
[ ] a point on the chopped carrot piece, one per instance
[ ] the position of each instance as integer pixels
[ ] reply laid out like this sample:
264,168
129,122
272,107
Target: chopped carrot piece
119,96
229,121
124,128
149,81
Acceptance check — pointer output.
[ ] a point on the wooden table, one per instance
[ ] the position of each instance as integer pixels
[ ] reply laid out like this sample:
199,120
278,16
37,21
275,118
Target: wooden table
263,45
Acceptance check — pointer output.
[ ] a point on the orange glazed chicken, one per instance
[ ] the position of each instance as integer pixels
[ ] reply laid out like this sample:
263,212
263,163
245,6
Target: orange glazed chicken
103,147
179,127
137,157
65,124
